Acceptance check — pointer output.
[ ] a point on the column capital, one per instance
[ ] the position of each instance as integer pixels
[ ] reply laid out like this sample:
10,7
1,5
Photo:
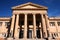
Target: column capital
42,16
26,14
46,15
34,14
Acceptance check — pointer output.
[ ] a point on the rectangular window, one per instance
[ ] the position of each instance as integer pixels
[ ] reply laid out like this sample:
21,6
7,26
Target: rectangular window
52,23
4,34
29,34
38,35
7,23
0,23
54,35
58,23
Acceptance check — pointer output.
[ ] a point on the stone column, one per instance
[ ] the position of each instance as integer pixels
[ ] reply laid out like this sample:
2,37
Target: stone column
47,24
41,33
12,24
34,24
44,26
25,26
16,34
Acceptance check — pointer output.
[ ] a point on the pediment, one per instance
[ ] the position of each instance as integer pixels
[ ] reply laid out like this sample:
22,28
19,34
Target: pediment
29,5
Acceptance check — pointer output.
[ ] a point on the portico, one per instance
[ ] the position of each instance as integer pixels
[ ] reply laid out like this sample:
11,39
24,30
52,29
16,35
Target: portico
29,22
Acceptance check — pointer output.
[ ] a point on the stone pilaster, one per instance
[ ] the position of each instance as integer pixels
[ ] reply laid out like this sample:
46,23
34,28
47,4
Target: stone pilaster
25,26
34,24
16,34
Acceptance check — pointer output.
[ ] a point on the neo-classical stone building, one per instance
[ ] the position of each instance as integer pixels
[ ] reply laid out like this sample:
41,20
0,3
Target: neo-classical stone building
30,22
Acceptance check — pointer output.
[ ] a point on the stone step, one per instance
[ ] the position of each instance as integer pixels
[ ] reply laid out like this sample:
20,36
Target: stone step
27,39
24,39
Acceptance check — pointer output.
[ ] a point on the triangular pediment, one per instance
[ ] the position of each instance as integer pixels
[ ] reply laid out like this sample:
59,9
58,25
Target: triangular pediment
29,5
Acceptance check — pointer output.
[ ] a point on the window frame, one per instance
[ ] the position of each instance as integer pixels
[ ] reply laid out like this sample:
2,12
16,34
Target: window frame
58,24
52,23
1,23
7,23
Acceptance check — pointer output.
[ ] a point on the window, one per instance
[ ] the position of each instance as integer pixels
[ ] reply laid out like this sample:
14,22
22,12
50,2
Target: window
7,23
4,34
52,23
54,35
11,34
0,23
58,23
38,35
29,34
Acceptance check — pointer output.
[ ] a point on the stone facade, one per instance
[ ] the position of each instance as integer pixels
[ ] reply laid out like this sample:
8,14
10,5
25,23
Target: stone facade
30,22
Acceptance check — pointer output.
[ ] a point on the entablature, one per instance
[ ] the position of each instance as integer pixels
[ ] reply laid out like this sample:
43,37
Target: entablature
29,11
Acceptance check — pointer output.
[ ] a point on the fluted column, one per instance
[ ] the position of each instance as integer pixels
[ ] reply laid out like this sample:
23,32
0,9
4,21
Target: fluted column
16,34
25,26
12,24
44,26
34,24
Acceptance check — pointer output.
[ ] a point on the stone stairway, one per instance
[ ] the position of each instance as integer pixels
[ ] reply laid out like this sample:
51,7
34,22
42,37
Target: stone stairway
22,39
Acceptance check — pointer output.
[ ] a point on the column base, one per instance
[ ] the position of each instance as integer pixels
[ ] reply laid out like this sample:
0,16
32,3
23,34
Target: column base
9,38
49,38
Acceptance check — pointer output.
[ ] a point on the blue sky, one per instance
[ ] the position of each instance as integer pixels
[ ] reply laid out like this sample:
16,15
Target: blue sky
53,6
